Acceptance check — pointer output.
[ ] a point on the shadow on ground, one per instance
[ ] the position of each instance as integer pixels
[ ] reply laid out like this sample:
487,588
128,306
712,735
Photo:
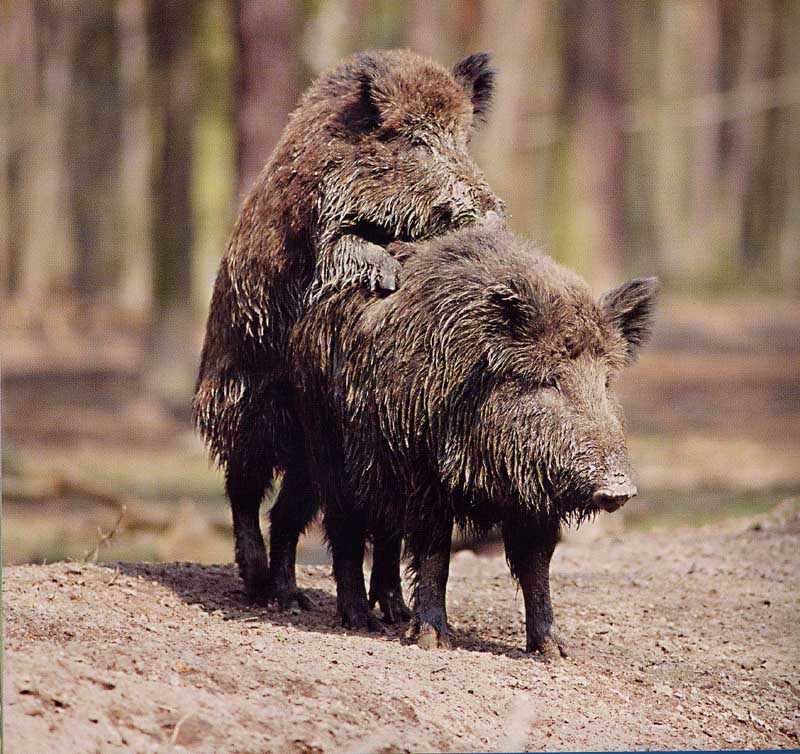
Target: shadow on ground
217,589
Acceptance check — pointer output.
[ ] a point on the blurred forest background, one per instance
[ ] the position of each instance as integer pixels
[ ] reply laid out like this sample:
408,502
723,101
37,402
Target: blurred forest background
627,138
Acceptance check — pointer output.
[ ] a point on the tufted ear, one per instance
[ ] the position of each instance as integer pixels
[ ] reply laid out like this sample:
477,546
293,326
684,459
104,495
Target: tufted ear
364,113
630,308
476,75
513,313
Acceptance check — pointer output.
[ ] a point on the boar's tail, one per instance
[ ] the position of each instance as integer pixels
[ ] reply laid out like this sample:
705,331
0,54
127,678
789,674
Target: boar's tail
247,417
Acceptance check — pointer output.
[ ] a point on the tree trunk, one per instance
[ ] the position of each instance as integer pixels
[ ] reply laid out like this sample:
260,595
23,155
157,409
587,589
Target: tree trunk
745,134
674,247
47,259
787,182
528,93
94,149
214,164
136,283
598,139
15,66
172,26
705,35
268,80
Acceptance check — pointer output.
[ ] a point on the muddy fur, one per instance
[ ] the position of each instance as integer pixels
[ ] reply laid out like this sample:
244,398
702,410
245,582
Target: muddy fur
376,151
479,393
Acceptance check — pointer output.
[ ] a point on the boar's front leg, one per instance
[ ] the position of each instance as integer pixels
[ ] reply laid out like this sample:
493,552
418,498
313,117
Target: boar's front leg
352,259
430,562
529,549
385,588
346,531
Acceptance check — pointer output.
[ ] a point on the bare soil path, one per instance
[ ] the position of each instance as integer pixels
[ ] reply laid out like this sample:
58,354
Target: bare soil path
683,638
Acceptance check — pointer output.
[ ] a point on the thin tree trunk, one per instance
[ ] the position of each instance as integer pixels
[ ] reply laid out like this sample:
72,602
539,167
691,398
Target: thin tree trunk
268,80
674,250
514,168
94,150
745,146
214,164
704,167
48,255
172,34
598,139
788,180
136,292
8,60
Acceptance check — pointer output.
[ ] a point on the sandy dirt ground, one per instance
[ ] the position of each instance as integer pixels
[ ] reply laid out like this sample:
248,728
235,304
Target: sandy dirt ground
681,638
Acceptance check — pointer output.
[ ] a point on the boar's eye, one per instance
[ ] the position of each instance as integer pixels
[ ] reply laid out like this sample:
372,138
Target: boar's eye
549,383
419,145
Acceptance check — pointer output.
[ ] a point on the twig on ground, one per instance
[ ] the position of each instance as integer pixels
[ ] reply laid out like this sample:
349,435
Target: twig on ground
92,555
176,732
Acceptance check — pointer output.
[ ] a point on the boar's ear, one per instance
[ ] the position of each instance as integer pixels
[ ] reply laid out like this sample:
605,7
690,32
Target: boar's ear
364,112
477,77
630,308
515,315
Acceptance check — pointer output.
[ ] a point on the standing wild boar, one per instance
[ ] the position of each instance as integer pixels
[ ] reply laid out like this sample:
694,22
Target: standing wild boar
480,394
376,151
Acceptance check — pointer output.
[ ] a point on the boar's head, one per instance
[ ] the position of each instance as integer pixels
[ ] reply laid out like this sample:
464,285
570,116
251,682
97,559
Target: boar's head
402,134
523,361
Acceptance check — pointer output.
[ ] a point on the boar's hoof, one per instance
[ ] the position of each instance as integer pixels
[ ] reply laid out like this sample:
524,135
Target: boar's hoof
551,645
257,595
289,598
358,620
385,274
256,589
392,605
429,636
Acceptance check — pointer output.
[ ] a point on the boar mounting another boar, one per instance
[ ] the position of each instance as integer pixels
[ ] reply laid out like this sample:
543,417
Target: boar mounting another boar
375,152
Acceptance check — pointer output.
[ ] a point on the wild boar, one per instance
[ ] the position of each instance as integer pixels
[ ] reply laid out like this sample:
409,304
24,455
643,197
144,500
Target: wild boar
376,151
480,394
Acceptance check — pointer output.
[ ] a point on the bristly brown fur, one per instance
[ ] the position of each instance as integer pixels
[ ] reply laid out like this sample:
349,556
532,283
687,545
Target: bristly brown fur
376,151
479,392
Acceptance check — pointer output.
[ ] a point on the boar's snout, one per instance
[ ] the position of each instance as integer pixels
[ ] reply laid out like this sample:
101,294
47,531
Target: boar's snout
614,493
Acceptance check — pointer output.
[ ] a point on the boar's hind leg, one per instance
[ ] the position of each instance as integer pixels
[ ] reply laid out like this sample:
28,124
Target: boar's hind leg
347,534
289,517
385,588
245,484
430,563
529,548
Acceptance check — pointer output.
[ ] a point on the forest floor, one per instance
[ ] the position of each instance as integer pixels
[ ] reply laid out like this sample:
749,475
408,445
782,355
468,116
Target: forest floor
679,639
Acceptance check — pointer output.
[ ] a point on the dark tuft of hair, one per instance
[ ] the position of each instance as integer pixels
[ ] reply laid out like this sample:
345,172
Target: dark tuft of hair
631,307
476,75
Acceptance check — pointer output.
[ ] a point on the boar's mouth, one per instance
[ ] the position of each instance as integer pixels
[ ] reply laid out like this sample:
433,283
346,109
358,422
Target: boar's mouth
576,507
374,232
442,220
605,498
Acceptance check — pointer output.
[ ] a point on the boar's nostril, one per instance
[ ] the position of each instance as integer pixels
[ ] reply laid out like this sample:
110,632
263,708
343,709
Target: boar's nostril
611,498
